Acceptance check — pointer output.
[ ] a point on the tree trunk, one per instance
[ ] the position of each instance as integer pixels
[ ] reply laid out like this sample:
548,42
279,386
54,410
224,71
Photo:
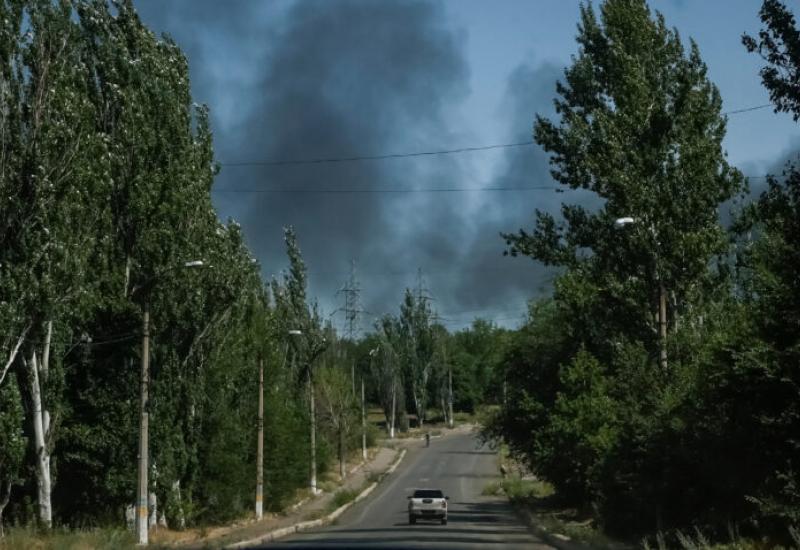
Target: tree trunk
41,456
417,407
341,451
13,354
4,503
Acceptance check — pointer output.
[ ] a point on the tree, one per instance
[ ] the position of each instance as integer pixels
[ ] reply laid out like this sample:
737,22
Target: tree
339,407
52,176
640,126
779,45
771,268
302,325
386,371
12,442
416,335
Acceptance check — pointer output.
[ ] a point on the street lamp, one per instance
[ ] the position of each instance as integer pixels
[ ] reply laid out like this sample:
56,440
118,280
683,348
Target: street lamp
260,438
313,413
144,417
662,296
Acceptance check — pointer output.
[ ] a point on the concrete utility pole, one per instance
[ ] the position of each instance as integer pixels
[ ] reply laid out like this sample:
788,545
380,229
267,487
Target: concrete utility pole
662,325
141,493
313,406
450,393
363,423
260,444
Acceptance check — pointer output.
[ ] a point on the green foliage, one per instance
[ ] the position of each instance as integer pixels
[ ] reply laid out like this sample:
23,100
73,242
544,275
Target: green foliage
107,167
709,440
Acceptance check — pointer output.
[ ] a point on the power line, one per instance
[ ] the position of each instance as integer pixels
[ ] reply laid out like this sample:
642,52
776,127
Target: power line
378,157
748,109
358,158
354,191
557,189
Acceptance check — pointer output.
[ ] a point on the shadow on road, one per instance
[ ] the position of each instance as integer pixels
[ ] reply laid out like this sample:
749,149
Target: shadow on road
468,452
470,525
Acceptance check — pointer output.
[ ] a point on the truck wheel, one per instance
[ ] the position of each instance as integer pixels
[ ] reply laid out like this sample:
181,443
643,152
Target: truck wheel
444,521
412,520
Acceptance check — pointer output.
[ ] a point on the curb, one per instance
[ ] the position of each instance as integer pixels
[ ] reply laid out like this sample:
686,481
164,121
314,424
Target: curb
303,525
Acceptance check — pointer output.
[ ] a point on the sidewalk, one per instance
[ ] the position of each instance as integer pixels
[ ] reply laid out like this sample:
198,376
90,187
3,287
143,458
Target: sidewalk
312,508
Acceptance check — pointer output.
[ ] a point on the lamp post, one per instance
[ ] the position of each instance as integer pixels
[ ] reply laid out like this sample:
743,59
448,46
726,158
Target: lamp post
260,439
620,223
260,443
313,414
372,353
144,416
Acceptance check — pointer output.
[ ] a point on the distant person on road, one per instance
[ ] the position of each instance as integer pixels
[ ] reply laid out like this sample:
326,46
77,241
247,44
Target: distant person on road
427,439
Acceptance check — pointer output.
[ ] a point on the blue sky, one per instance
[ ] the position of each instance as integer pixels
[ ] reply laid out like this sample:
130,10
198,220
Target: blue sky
329,78
501,35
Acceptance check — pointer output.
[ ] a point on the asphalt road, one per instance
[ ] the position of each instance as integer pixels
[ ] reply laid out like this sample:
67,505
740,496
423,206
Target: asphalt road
457,465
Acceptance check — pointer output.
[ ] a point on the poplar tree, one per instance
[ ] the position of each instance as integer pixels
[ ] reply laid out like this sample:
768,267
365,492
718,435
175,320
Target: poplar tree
639,124
772,277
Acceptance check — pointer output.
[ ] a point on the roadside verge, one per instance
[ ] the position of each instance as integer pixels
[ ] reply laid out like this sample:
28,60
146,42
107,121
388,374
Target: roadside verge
304,525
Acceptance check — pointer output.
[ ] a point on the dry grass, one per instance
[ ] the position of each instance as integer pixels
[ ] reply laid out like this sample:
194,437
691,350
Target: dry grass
95,539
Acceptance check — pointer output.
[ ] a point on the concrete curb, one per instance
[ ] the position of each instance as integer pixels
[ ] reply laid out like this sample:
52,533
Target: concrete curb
303,525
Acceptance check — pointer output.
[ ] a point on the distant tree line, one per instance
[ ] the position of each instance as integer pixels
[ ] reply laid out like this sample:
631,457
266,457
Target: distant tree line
659,387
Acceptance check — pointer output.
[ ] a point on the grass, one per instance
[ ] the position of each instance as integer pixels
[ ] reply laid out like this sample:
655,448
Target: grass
340,498
100,539
538,503
327,486
697,540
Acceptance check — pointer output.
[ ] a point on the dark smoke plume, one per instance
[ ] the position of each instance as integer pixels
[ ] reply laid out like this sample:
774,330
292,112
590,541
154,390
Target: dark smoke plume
311,80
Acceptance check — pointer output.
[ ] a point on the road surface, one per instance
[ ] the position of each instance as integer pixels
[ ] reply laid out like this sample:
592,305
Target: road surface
457,465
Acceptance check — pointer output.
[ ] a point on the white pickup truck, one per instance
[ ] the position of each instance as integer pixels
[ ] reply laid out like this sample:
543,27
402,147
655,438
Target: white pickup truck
427,503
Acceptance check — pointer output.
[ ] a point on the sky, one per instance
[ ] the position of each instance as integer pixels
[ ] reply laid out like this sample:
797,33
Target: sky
299,80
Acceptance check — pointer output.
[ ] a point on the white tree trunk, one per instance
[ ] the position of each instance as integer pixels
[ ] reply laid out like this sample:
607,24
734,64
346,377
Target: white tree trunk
176,490
418,406
12,355
152,520
6,496
41,426
342,468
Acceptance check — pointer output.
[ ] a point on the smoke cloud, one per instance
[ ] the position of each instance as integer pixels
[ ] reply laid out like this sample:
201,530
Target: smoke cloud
317,80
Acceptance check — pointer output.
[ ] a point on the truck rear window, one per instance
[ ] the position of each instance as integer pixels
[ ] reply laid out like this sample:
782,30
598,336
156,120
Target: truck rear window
428,493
